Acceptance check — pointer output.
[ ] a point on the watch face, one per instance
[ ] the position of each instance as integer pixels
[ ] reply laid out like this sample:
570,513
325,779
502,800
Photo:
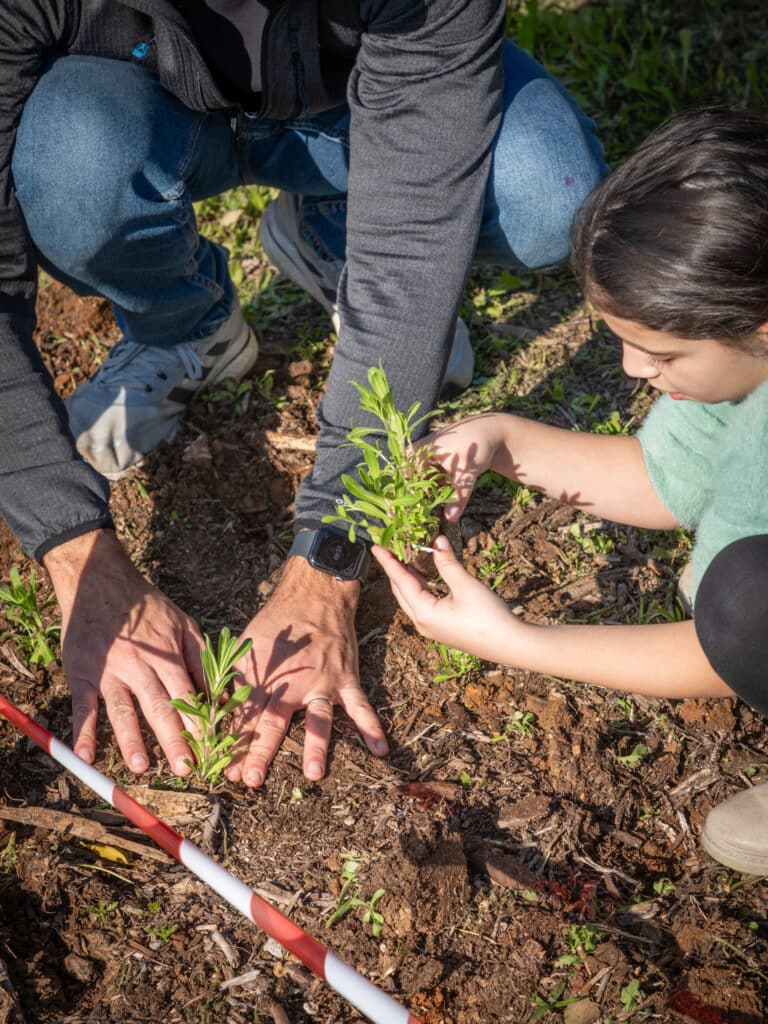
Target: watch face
336,554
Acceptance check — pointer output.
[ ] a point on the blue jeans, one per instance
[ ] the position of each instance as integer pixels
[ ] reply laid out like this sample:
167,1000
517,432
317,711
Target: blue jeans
107,165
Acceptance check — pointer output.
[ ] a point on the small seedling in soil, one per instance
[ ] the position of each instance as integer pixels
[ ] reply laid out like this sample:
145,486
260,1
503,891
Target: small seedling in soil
453,664
162,932
399,493
349,900
521,723
103,910
212,746
634,757
554,1002
36,641
8,857
631,996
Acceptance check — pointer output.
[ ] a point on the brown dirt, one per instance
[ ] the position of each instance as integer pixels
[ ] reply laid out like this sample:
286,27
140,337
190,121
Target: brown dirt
488,849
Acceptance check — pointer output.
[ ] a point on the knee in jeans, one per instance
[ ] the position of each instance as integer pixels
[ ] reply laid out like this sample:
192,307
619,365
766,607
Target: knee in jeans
547,160
73,159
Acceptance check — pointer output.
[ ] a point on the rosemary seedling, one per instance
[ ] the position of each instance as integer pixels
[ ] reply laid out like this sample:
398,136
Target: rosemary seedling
212,746
399,492
37,643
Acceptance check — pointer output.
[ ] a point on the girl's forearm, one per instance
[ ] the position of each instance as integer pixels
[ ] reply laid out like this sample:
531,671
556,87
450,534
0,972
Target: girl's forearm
603,474
660,660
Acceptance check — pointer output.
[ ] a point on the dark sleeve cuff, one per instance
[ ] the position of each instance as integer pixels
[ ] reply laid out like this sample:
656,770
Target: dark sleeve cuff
103,523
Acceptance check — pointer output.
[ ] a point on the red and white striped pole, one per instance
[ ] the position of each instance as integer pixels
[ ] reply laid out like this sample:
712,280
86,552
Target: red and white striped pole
371,1001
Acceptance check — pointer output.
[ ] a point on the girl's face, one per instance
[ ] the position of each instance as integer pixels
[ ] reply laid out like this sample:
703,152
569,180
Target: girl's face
699,371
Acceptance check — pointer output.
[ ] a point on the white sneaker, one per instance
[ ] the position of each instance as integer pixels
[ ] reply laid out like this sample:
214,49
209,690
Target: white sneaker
294,257
138,397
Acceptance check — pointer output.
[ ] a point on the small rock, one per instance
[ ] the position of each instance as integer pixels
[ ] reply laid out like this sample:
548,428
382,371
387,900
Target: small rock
584,1012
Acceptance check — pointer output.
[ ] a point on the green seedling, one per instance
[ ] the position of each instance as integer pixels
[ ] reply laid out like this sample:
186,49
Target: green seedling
554,1002
103,910
453,664
631,996
399,493
349,899
212,746
163,932
519,723
9,856
634,757
230,392
36,642
664,887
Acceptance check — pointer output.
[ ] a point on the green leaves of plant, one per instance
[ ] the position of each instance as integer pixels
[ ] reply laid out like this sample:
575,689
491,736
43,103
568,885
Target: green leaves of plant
399,491
35,641
212,748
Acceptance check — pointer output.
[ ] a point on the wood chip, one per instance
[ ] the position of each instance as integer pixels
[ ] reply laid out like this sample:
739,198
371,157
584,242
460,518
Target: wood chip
291,442
82,828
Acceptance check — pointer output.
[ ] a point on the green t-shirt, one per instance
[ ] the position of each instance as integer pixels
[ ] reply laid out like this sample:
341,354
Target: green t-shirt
709,466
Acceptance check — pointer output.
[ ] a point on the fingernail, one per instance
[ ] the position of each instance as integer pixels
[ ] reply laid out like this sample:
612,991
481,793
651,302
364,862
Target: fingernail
314,770
451,512
86,753
253,777
139,763
380,747
180,766
441,543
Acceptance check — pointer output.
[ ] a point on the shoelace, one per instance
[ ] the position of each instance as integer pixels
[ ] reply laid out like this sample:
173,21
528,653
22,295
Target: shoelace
118,370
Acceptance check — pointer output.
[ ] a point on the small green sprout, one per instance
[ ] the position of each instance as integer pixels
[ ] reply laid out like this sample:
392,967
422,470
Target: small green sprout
664,887
453,664
212,746
520,723
103,910
36,642
9,856
349,899
634,757
163,932
630,996
398,493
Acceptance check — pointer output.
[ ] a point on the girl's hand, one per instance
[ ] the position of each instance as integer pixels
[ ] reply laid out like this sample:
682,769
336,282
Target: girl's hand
465,451
472,618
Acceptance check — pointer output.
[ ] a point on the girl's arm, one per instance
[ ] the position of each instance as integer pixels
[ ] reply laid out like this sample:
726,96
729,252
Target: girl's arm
604,475
662,660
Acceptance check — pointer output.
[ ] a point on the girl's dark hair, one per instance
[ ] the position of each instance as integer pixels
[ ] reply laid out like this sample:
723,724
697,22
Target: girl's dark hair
676,238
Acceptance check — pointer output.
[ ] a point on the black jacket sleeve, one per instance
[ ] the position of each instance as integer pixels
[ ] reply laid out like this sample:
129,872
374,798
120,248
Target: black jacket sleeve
426,101
47,492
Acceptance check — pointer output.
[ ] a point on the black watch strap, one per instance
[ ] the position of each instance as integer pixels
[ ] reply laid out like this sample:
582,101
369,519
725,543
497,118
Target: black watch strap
308,544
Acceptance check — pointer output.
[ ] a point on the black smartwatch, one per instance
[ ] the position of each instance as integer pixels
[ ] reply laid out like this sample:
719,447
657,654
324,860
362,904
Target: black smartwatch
331,551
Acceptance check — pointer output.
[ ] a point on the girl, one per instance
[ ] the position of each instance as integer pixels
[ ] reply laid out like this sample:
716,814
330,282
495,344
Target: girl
672,249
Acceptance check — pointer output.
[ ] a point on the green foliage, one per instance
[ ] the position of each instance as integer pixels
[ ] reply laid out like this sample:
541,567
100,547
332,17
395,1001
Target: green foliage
630,996
37,643
230,392
453,664
398,494
634,757
9,856
163,932
212,746
592,542
349,899
520,723
103,910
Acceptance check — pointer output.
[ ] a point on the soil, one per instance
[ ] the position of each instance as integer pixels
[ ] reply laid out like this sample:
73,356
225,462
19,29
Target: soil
493,844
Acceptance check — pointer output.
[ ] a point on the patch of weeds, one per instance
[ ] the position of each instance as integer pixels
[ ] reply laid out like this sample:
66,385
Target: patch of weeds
37,642
493,565
212,746
103,910
544,1005
453,664
162,932
399,493
520,723
233,393
634,757
581,939
592,541
653,611
631,996
266,388
350,900
664,887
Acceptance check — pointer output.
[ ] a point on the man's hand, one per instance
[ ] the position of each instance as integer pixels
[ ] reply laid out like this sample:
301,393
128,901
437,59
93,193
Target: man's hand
123,640
304,654
471,618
